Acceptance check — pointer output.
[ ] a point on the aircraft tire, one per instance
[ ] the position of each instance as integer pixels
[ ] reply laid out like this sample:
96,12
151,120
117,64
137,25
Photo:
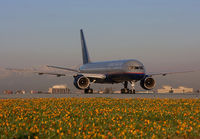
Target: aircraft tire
88,91
130,91
133,91
124,91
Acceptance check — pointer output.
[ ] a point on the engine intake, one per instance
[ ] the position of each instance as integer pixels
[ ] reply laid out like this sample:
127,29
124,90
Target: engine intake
81,82
148,83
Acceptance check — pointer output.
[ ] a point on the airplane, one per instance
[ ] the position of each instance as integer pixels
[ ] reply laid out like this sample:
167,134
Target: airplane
109,72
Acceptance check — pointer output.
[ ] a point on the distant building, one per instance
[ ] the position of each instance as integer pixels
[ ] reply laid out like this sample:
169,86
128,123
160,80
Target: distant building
33,92
59,89
8,92
20,92
180,89
37,92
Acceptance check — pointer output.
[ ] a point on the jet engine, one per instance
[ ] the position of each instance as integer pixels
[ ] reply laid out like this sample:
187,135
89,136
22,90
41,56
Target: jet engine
81,82
148,83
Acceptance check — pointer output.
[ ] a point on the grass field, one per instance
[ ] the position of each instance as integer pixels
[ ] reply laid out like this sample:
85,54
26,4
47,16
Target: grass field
99,118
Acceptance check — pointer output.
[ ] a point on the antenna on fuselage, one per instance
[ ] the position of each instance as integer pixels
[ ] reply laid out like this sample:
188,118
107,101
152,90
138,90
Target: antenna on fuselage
86,57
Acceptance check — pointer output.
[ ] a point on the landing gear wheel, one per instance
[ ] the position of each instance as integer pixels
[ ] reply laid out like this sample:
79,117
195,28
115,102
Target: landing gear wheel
125,91
133,91
130,91
88,91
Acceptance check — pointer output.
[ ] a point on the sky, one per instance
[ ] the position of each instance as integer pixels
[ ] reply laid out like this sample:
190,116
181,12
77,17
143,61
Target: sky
163,35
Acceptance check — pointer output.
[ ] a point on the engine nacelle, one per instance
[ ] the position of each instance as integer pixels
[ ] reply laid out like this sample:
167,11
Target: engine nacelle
148,83
81,82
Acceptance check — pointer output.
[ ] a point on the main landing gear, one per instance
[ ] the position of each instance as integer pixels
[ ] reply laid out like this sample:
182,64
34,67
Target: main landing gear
125,90
88,91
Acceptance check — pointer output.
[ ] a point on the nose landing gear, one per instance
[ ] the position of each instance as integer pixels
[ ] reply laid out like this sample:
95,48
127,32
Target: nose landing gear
125,90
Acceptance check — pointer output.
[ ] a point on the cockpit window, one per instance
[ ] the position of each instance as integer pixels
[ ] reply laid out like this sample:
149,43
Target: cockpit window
139,67
135,67
131,67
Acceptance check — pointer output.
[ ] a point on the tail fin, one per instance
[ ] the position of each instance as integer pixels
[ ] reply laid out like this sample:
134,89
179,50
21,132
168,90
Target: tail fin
86,57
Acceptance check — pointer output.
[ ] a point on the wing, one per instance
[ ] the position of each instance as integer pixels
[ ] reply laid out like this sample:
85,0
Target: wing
51,73
37,72
94,76
166,73
89,75
62,68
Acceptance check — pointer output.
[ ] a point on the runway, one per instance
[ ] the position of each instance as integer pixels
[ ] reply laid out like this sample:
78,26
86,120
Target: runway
120,96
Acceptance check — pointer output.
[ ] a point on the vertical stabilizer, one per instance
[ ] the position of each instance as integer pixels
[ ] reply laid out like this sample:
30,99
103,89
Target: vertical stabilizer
86,58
